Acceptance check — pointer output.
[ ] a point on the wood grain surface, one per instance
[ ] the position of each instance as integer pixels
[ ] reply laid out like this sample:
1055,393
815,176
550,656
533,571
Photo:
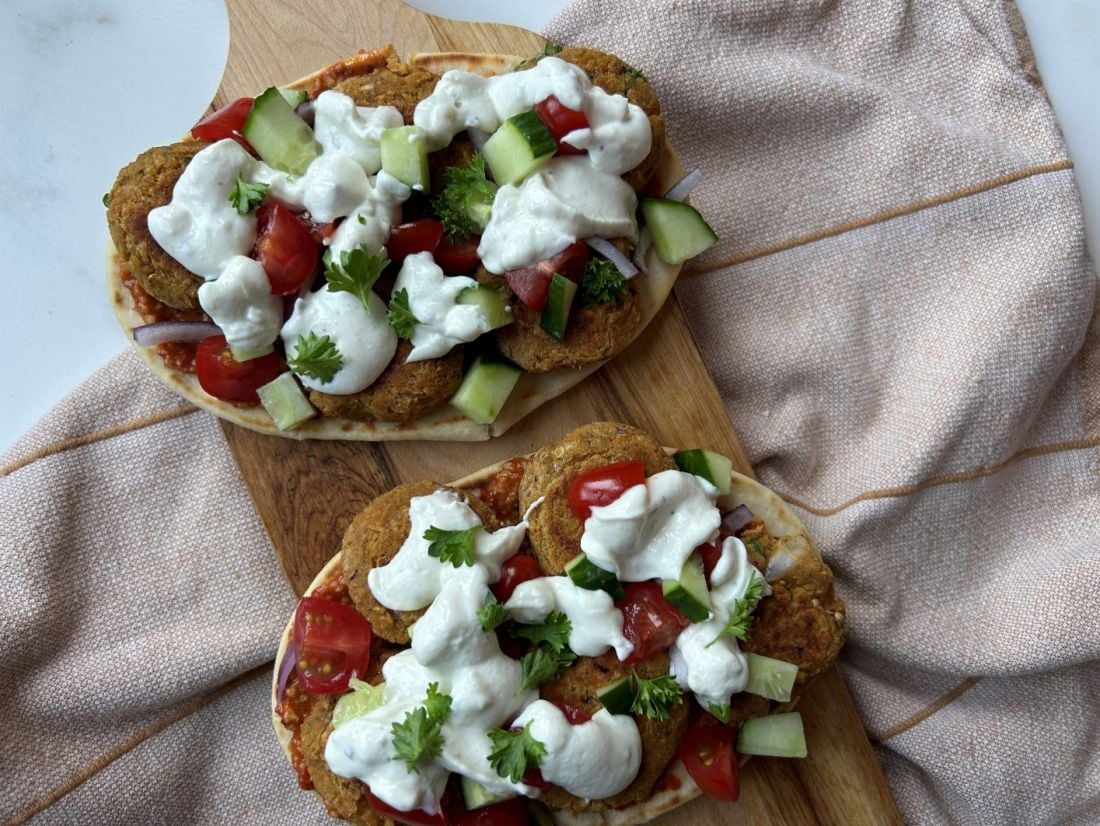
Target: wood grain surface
307,492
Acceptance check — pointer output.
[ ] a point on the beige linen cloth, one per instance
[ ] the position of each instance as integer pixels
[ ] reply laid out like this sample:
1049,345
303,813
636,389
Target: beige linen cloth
900,318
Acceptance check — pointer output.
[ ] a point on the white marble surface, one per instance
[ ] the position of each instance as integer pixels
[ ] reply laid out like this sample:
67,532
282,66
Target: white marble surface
98,81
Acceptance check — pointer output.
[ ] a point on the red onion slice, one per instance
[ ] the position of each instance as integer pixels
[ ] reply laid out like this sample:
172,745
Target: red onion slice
605,248
682,188
736,519
163,331
645,239
290,658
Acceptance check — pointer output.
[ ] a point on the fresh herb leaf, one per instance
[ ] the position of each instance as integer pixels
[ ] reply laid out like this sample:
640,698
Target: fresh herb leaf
492,615
106,199
419,736
247,195
722,712
630,75
741,615
601,282
514,753
653,698
547,50
754,544
456,547
355,273
316,356
399,315
554,631
541,665
361,218
465,201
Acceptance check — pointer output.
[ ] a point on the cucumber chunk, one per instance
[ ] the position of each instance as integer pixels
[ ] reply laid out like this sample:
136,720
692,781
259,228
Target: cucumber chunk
281,138
492,302
770,678
617,696
689,593
285,402
559,299
364,697
587,574
248,355
714,467
405,156
522,144
779,735
295,97
484,389
679,231
477,796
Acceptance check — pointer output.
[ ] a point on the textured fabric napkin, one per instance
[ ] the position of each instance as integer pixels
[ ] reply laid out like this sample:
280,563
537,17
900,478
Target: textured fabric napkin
900,318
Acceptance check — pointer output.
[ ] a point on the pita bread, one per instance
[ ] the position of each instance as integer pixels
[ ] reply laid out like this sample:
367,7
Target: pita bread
781,522
444,423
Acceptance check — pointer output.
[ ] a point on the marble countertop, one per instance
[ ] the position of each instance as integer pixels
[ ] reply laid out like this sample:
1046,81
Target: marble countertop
65,140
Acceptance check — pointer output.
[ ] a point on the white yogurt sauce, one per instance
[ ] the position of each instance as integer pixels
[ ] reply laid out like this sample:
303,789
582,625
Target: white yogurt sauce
651,529
412,579
564,201
593,760
595,623
343,128
241,303
364,338
618,136
442,322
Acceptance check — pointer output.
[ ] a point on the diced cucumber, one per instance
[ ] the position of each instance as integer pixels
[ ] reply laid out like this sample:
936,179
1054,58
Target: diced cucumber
484,389
364,697
279,136
618,696
405,156
589,575
477,796
295,97
679,231
247,355
522,144
770,678
689,593
285,402
559,298
492,302
714,467
778,735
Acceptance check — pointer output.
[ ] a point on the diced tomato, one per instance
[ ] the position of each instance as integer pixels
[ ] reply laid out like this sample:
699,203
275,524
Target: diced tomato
573,714
514,570
531,285
417,236
561,120
533,777
227,122
603,485
506,813
225,378
457,257
286,248
333,645
650,622
710,554
707,752
417,817
569,262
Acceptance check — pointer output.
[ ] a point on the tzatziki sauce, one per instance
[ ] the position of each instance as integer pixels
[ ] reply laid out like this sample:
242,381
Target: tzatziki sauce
596,625
241,303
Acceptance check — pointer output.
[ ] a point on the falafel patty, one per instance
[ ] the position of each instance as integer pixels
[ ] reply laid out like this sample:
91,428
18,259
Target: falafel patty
398,85
142,185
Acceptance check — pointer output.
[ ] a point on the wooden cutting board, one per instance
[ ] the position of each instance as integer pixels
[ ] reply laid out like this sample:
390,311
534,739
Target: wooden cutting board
307,492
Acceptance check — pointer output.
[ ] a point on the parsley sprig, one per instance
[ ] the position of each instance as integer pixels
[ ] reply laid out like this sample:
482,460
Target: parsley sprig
419,736
741,615
653,698
355,272
247,195
601,283
466,199
552,632
514,753
316,356
456,547
547,50
400,316
542,664
492,615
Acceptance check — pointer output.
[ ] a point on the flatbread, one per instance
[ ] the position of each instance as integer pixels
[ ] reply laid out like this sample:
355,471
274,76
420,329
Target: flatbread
781,522
444,423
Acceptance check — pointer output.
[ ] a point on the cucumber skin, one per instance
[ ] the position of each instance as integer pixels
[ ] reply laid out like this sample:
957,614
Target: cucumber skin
617,696
588,575
699,462
682,592
521,145
559,300
678,230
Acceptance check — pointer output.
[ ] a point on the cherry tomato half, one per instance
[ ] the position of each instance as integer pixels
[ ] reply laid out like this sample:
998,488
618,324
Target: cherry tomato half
286,248
417,817
333,645
650,621
417,236
457,257
227,122
225,378
707,752
507,813
514,570
569,262
561,120
603,485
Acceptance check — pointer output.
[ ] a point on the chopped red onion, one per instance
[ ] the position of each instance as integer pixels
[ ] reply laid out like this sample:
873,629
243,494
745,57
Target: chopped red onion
290,658
735,520
306,110
682,188
149,334
608,250
645,239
